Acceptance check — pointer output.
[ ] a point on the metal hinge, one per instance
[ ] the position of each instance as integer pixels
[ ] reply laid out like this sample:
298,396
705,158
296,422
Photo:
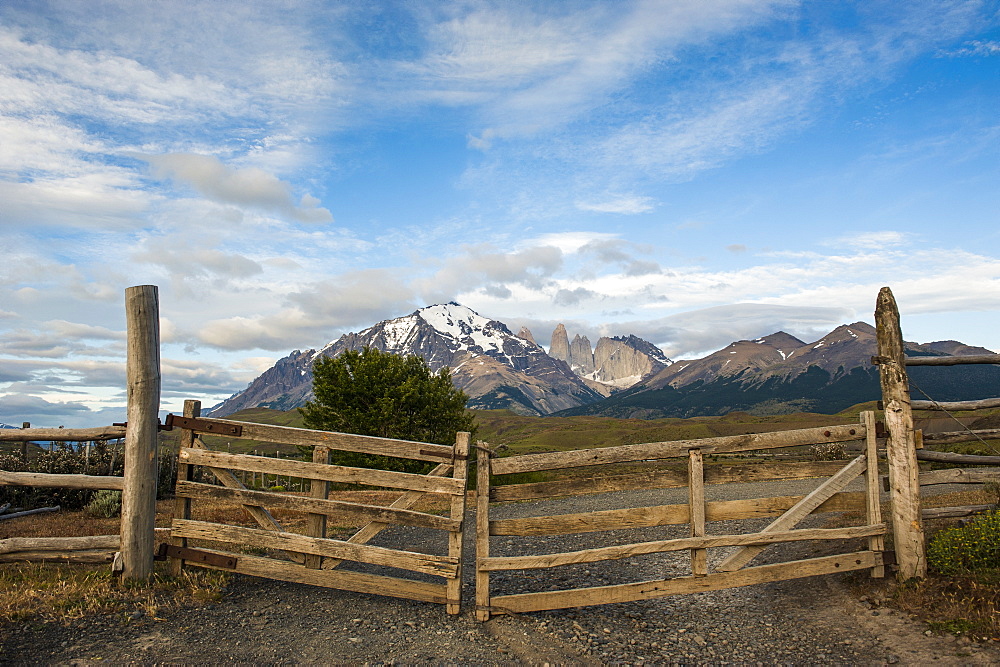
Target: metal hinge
203,426
196,556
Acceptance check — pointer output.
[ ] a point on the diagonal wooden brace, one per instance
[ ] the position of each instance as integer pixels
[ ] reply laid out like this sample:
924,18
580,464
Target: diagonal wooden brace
799,511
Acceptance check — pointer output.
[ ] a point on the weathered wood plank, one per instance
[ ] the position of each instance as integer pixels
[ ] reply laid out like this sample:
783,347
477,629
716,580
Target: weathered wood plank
664,515
664,479
953,406
344,580
952,512
873,501
456,537
799,511
379,513
620,551
645,590
62,434
317,522
328,473
953,360
961,436
483,530
961,459
67,481
677,448
696,504
443,566
960,476
285,435
53,556
908,532
67,544
182,505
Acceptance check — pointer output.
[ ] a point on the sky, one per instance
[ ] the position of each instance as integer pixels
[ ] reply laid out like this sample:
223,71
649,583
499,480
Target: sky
689,171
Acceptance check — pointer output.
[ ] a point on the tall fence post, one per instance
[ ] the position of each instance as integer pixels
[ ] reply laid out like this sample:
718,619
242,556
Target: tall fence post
901,451
142,371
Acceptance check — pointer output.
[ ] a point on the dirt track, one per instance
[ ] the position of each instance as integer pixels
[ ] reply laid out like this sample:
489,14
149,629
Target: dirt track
259,621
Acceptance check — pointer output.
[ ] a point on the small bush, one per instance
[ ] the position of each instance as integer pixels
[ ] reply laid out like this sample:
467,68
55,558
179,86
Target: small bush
830,451
969,548
104,459
107,504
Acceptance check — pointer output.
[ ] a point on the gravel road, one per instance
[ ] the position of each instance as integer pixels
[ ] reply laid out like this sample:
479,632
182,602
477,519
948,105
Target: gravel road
814,620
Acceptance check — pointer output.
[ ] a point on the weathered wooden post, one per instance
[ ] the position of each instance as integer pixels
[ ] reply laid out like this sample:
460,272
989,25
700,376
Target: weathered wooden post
907,526
460,471
482,530
142,369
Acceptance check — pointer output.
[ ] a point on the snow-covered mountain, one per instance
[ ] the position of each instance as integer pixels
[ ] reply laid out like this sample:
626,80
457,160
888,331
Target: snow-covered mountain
495,368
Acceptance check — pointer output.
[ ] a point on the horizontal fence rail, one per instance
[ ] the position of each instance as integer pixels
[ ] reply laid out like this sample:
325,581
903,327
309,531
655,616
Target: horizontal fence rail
677,449
982,404
953,360
61,434
286,435
48,480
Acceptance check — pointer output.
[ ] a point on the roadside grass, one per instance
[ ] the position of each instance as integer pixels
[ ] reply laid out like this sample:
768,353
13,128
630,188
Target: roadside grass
62,591
35,592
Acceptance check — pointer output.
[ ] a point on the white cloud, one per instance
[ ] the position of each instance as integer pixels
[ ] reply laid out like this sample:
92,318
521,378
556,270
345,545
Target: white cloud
975,48
627,205
245,187
871,240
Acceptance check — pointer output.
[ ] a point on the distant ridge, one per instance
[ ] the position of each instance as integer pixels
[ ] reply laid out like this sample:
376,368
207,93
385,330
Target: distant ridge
780,374
626,376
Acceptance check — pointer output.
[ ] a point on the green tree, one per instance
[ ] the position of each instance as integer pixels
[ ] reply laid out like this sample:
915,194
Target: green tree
376,393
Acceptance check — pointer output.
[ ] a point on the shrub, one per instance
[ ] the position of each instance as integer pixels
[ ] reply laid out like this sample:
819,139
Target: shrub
107,504
969,548
104,459
830,451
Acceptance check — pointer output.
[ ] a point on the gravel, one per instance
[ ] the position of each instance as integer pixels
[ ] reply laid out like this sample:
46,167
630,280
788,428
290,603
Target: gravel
813,620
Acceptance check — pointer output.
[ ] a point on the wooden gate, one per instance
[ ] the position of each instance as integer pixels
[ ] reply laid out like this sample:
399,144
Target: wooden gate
272,551
791,510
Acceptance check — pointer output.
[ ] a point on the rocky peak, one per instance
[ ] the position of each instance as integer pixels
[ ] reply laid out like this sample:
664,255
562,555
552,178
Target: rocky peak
559,345
581,355
525,333
623,362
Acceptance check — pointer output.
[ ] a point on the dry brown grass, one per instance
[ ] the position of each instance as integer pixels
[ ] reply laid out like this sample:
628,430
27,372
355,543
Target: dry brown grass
55,591
968,605
58,592
961,605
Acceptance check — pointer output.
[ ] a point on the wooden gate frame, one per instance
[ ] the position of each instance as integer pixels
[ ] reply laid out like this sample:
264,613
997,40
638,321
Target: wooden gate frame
312,558
731,573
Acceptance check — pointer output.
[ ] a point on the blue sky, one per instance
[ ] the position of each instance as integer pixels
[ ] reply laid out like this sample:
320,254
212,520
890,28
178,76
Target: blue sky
693,172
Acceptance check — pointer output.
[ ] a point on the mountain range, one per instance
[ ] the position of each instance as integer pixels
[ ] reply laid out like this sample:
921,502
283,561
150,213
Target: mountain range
626,376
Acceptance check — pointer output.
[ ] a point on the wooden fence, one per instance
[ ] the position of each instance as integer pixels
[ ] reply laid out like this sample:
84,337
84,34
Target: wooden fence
312,557
697,513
